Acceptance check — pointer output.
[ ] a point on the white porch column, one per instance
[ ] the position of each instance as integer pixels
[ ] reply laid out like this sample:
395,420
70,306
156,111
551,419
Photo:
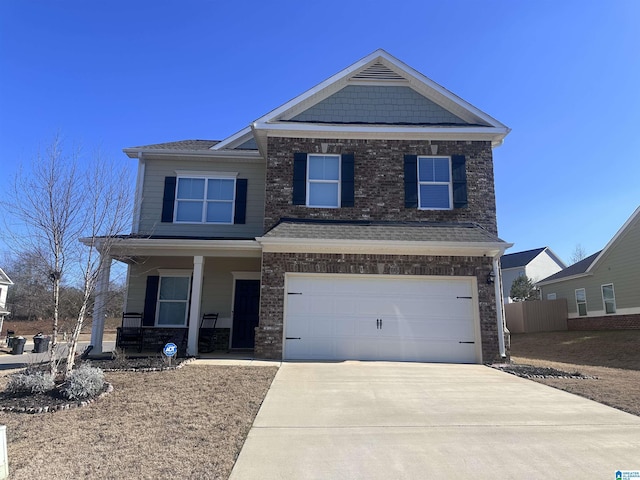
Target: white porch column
196,298
102,290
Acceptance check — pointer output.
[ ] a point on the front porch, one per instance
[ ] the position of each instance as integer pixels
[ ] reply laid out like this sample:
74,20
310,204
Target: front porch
172,283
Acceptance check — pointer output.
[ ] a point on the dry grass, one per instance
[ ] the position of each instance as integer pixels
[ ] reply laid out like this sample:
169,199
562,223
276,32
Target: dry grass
612,356
186,423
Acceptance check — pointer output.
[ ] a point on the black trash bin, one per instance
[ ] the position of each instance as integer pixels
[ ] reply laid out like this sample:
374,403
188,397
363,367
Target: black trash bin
10,335
40,343
18,345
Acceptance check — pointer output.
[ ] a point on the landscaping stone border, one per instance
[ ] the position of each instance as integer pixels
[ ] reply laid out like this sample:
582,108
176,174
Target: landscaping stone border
530,371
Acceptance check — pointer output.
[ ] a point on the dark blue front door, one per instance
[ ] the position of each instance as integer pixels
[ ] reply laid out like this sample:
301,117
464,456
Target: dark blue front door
246,305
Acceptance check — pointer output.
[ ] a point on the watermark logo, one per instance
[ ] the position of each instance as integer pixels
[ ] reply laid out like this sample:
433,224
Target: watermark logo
628,475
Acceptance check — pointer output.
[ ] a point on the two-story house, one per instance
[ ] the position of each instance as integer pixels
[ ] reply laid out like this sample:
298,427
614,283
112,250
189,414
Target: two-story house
356,221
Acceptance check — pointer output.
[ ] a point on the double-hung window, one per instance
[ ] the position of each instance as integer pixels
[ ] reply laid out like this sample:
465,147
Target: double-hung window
323,181
609,298
173,299
205,199
581,301
434,183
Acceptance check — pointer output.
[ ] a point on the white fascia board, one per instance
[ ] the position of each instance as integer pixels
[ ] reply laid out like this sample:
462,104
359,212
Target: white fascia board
4,278
619,233
383,132
231,154
237,138
306,245
179,247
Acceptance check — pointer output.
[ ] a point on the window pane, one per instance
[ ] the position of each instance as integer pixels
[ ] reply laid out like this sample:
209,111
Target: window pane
324,167
441,169
172,313
219,212
426,170
189,212
581,295
582,309
174,288
191,188
220,189
323,194
607,292
434,196
610,306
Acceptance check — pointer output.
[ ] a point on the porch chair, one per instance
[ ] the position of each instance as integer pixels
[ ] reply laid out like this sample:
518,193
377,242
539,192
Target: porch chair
207,333
130,333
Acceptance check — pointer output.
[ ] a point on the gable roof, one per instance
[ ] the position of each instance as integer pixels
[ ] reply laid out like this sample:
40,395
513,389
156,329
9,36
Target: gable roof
376,85
4,278
522,259
519,259
587,265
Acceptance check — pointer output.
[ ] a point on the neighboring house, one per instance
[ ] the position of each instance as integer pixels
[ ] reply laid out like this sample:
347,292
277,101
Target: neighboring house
536,264
356,221
5,282
603,290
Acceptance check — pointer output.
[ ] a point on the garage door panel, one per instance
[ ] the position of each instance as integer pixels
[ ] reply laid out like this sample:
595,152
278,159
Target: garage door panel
381,318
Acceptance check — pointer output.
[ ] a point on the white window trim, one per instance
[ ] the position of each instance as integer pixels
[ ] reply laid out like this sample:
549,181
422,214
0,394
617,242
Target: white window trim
173,273
586,310
338,181
449,183
206,176
604,303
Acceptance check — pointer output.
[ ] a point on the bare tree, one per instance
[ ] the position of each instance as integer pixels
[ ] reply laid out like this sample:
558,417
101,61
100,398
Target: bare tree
53,206
106,207
46,205
577,254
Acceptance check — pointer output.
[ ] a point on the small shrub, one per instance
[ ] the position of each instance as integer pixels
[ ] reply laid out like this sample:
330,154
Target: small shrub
83,382
30,382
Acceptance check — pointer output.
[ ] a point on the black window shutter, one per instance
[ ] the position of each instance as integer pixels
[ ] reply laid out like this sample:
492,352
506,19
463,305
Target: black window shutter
150,300
168,199
347,190
411,181
299,179
459,180
240,215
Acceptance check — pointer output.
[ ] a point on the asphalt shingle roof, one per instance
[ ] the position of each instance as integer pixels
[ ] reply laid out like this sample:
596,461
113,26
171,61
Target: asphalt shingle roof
382,231
182,145
575,269
520,259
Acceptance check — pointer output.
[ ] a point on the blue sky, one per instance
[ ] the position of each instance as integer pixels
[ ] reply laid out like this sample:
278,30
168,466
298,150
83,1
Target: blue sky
564,75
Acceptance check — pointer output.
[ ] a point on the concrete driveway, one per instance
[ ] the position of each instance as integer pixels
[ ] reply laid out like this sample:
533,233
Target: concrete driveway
379,420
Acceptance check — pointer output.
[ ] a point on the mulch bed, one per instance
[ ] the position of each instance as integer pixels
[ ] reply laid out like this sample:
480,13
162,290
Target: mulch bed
52,401
531,371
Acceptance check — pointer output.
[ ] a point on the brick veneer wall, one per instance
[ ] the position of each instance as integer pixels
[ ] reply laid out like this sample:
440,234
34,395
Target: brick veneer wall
379,180
269,334
609,322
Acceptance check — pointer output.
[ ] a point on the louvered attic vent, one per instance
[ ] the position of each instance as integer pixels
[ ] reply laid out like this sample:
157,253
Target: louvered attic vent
377,71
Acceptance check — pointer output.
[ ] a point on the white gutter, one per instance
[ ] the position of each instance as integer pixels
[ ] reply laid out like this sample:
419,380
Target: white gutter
249,155
500,319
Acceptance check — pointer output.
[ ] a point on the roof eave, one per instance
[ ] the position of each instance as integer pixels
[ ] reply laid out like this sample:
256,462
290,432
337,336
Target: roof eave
235,154
384,132
314,245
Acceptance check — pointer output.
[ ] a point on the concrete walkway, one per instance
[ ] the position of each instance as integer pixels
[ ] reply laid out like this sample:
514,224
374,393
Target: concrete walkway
377,420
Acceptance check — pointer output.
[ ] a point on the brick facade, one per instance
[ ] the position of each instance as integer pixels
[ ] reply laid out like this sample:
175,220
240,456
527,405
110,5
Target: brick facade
379,180
269,334
609,322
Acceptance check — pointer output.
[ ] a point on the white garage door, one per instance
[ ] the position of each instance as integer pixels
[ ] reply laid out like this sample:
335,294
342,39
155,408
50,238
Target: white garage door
398,318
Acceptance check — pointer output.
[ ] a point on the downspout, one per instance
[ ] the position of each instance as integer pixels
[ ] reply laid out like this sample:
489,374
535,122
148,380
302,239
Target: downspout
499,305
137,201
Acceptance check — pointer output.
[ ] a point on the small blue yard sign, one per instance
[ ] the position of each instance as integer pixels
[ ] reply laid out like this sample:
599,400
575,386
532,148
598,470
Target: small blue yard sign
170,349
